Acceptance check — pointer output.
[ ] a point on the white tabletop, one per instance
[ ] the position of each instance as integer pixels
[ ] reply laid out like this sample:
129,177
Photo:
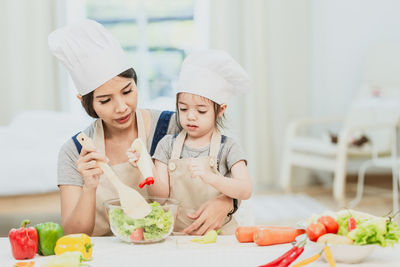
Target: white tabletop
180,251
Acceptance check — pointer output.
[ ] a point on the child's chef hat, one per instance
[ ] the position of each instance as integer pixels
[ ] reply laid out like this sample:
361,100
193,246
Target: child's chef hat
213,74
89,52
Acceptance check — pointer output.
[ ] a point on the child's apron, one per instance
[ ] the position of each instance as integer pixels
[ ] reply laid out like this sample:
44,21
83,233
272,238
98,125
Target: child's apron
128,174
193,192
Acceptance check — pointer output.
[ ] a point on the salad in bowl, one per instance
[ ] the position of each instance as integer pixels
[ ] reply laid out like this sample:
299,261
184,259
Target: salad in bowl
155,227
351,235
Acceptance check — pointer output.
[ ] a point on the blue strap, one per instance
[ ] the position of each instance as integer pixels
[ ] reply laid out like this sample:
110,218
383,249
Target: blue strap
77,144
223,139
161,129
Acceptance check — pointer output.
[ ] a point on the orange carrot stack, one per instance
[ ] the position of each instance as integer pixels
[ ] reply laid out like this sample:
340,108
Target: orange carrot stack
267,235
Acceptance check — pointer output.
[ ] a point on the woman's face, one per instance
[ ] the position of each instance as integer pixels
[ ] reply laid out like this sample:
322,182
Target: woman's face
115,102
196,114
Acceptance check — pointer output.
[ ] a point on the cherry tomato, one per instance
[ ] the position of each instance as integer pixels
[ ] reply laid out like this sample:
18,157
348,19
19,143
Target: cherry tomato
315,230
330,224
352,224
137,235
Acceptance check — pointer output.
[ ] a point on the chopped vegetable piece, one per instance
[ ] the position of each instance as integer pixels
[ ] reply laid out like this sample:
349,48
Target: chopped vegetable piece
209,237
352,224
67,259
137,235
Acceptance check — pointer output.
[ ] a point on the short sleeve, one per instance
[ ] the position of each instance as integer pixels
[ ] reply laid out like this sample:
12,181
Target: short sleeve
232,153
67,171
164,149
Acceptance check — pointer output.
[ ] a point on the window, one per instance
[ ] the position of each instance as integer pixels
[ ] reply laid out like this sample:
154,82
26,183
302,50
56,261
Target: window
156,36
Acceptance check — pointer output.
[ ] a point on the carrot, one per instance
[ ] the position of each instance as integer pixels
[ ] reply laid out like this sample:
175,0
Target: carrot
269,236
245,233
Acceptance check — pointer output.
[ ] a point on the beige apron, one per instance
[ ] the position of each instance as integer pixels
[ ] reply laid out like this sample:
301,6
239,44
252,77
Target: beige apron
128,174
193,192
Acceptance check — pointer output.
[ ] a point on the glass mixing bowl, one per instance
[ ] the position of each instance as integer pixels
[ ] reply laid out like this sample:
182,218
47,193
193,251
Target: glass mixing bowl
155,227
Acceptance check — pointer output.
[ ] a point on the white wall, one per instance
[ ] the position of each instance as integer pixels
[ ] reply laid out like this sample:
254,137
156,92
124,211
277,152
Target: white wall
27,73
342,32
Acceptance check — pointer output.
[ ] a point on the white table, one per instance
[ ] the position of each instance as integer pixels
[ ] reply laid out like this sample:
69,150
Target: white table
180,251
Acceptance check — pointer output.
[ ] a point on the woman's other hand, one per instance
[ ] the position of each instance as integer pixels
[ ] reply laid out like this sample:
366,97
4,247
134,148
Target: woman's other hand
210,216
88,168
133,156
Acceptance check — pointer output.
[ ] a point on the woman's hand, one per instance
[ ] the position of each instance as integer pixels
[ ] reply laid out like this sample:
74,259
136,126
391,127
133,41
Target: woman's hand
133,156
88,168
210,216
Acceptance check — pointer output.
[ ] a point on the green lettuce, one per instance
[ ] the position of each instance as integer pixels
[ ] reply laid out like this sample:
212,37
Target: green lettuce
380,231
155,225
369,229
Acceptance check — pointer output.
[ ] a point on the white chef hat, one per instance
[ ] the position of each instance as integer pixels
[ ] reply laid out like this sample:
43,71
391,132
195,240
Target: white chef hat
89,52
213,74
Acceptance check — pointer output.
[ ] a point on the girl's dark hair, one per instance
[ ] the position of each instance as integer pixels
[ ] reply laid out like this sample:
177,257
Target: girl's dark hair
87,100
219,121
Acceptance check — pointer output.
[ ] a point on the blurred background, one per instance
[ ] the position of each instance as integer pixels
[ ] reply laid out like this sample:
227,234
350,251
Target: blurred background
306,58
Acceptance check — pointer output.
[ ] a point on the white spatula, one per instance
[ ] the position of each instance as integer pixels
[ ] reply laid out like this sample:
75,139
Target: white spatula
132,203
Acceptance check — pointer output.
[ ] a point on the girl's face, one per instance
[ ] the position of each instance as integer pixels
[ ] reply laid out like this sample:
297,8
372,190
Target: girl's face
196,114
115,102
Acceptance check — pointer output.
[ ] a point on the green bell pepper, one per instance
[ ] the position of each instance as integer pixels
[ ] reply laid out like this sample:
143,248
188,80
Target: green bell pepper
49,233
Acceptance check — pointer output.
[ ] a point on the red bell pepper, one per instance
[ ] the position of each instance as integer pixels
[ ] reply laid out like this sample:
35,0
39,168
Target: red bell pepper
24,241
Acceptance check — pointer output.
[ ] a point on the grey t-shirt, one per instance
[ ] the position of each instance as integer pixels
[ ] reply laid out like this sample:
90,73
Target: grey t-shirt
68,173
229,153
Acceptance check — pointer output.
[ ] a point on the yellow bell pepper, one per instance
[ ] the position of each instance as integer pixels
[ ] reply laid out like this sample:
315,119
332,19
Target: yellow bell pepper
75,242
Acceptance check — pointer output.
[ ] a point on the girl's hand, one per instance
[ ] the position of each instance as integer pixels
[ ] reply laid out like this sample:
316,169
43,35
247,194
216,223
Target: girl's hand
88,168
133,156
198,170
210,216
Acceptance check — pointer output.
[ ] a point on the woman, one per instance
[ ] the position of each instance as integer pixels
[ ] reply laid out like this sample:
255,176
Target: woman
107,90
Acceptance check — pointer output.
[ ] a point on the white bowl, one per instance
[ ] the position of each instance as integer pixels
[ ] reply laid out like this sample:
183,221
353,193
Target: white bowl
346,253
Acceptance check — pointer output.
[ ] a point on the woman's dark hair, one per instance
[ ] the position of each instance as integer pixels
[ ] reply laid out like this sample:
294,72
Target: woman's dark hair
219,121
87,100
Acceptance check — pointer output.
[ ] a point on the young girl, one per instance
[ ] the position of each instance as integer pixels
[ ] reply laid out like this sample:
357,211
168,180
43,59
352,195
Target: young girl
199,163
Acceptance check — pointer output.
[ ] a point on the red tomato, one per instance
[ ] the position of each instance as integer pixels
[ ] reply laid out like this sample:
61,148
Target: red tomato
315,230
352,224
137,235
330,224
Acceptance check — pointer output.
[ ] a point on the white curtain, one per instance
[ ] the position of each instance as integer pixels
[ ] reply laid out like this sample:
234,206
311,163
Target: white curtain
28,73
271,40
